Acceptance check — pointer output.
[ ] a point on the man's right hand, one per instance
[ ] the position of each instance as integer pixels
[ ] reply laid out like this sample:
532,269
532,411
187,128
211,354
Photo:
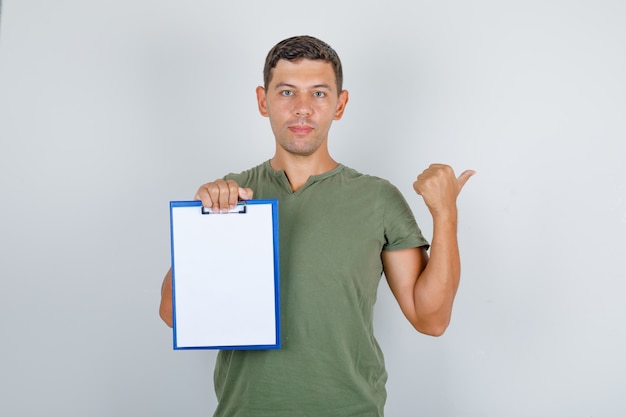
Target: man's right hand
222,195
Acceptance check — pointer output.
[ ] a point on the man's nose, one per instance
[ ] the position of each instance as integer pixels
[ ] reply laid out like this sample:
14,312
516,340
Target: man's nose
303,106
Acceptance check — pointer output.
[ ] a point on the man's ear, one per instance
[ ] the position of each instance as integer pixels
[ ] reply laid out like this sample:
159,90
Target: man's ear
261,101
341,104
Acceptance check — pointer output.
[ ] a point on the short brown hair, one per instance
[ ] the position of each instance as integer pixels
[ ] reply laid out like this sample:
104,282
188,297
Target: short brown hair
302,47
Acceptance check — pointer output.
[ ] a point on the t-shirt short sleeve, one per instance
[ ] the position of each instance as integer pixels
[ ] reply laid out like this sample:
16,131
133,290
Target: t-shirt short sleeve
401,229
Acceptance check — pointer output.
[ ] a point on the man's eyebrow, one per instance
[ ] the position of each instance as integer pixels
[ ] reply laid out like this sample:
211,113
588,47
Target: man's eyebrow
326,86
283,85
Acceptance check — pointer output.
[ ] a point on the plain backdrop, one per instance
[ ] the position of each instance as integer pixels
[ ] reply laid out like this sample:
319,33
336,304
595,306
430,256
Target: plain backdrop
109,110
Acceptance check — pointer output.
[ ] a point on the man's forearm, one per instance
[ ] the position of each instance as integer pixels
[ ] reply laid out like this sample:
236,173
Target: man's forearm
165,308
436,286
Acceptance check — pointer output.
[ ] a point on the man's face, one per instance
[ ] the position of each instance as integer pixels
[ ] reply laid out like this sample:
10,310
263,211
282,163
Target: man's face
301,102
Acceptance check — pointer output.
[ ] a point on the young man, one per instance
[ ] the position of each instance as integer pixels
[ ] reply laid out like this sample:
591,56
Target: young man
339,231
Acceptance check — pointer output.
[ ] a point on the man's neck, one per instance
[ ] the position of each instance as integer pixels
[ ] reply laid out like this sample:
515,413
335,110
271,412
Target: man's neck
300,168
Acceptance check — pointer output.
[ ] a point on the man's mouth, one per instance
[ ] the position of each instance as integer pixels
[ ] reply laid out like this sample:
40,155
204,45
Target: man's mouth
300,129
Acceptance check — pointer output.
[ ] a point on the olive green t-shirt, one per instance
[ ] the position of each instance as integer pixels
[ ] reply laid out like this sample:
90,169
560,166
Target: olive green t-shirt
332,232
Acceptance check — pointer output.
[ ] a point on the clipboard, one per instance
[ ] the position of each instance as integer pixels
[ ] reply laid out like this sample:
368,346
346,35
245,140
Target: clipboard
225,276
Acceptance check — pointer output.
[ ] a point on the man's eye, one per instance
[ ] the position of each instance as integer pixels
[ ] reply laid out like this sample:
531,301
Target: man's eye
319,94
287,93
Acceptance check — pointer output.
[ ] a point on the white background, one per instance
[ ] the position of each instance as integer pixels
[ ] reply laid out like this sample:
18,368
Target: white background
109,110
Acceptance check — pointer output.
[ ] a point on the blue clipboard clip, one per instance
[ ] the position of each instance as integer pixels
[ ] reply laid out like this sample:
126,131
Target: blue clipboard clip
241,208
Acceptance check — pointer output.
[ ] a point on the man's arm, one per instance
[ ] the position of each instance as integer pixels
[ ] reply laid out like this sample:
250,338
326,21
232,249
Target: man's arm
165,309
425,288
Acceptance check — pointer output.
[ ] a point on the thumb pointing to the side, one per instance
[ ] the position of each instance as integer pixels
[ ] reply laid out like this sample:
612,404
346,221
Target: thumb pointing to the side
462,179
